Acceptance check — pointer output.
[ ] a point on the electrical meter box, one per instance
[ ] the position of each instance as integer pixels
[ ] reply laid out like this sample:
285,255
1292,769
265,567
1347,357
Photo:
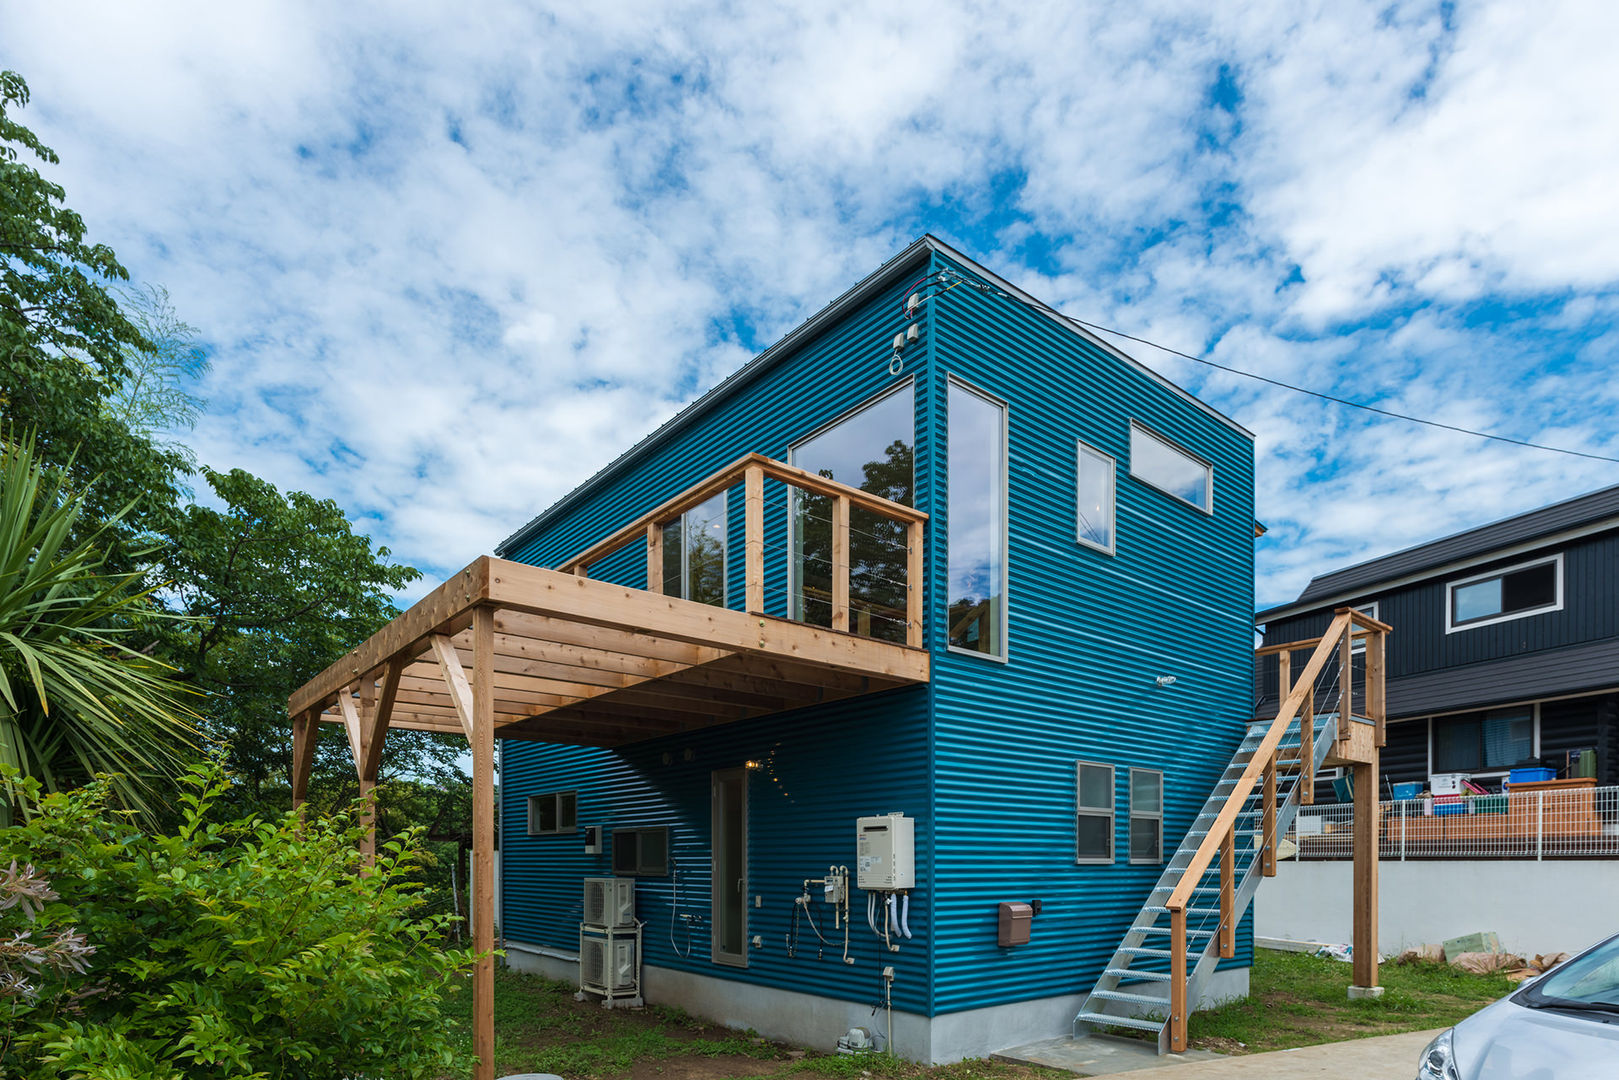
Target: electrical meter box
886,850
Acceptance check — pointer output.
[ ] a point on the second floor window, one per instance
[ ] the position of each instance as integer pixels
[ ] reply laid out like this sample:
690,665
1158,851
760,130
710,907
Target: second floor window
1170,469
977,521
1512,593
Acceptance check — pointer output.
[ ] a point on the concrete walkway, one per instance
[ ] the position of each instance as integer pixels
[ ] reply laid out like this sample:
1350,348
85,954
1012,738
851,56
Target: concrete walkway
1386,1057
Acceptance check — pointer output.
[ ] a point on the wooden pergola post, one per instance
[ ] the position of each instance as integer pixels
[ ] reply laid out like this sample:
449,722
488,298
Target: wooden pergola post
483,838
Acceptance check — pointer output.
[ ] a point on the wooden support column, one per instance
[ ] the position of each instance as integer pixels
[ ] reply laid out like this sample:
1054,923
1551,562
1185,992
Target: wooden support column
1307,748
1366,828
1346,685
840,563
1177,979
753,541
654,558
1267,837
914,585
1228,894
365,765
483,840
304,731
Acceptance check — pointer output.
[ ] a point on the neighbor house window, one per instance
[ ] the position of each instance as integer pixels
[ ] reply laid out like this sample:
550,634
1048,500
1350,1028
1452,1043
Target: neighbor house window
694,553
977,521
1358,644
1517,591
556,812
1493,741
1093,817
641,851
1146,816
1095,493
871,448
1171,469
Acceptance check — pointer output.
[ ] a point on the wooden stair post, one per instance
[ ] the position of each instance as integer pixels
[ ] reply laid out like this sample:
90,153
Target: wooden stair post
1228,894
1177,979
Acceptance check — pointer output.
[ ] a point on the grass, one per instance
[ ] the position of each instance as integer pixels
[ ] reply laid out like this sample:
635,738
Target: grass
1300,1000
1296,1000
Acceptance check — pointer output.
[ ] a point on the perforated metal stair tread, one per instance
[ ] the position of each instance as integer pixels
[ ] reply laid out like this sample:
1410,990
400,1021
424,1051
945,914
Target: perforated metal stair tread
1129,998
1132,973
1138,950
1103,1020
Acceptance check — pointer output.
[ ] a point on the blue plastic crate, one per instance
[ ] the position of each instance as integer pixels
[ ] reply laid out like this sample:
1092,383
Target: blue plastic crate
1446,809
1403,792
1530,776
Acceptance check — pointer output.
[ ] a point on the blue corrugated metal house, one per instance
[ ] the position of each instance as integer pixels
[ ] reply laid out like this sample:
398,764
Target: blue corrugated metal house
1089,572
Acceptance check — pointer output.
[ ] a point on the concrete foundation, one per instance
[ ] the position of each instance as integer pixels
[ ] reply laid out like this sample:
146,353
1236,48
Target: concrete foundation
816,1021
1365,993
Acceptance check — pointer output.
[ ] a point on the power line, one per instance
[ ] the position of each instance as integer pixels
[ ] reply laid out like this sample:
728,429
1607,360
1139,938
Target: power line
991,290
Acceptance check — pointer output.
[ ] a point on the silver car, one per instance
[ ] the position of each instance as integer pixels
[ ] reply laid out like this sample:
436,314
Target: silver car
1562,1026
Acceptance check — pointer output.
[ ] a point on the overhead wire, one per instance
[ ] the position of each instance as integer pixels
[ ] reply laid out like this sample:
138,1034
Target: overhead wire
983,287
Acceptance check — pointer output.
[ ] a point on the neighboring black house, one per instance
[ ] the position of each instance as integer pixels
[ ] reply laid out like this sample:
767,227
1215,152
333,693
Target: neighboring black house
1505,648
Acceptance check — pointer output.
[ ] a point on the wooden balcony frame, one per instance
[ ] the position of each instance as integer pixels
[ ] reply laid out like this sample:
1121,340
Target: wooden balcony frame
504,650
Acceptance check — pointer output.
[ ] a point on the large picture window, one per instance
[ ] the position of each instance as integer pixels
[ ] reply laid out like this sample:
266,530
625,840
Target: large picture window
1170,469
1513,593
1095,494
1494,741
977,522
872,449
1093,816
694,552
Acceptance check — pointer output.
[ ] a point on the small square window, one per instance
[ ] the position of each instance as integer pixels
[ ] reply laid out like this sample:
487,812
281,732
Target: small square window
1094,492
552,813
1146,816
1170,469
1093,815
641,852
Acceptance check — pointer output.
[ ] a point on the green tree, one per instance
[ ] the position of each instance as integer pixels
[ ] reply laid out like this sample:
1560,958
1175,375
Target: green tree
76,698
252,948
66,345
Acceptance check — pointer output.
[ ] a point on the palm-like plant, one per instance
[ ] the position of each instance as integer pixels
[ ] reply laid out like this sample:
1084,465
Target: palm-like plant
76,698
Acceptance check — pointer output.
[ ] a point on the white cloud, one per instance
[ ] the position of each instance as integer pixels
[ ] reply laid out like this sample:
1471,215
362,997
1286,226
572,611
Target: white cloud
452,262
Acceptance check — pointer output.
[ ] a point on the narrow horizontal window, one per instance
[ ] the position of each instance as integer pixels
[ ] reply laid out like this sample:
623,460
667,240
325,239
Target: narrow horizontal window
1170,469
641,852
1146,816
553,812
1093,815
1512,593
1095,495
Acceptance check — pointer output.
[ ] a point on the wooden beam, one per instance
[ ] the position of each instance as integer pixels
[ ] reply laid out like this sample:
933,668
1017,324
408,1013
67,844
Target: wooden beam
1366,828
455,679
1376,689
1267,835
386,697
1307,748
1346,686
753,532
840,563
1228,895
481,729
1177,979
654,557
624,643
446,608
368,772
351,727
915,586
304,733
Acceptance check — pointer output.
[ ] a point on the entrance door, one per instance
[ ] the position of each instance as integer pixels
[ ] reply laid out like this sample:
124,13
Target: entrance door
730,889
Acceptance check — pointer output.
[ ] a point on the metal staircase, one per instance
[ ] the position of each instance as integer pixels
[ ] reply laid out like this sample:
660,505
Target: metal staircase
1133,989
1188,923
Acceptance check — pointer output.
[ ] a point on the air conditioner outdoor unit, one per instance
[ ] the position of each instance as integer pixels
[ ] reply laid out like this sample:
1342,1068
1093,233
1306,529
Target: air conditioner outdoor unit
606,965
609,902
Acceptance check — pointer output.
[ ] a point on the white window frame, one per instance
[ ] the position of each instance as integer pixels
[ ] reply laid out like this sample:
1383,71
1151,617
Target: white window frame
534,803
1157,816
685,551
1452,627
1111,813
1005,655
1113,497
1208,478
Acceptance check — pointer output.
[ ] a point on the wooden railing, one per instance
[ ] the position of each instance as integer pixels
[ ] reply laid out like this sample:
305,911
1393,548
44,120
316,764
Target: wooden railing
1298,702
751,471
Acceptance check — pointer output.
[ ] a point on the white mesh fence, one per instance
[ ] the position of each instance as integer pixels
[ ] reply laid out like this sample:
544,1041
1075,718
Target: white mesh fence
1581,822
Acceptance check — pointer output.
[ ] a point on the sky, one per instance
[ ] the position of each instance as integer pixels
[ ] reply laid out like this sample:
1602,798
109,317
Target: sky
449,260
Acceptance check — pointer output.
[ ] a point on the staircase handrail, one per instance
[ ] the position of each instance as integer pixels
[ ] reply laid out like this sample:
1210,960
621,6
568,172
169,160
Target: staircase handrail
1226,820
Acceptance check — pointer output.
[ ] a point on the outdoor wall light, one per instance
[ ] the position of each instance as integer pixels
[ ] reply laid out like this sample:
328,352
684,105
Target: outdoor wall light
1165,680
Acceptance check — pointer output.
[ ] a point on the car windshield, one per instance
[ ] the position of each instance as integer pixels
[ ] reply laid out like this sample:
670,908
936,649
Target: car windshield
1591,979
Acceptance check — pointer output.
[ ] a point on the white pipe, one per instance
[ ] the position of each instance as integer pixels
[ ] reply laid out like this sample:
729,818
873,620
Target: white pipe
871,914
893,912
905,915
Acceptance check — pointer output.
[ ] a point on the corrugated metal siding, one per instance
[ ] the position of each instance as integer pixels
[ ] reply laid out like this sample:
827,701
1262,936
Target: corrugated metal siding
820,770
1088,636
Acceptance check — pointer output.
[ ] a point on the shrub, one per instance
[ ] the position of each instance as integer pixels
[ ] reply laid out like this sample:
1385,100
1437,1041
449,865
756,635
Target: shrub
254,948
